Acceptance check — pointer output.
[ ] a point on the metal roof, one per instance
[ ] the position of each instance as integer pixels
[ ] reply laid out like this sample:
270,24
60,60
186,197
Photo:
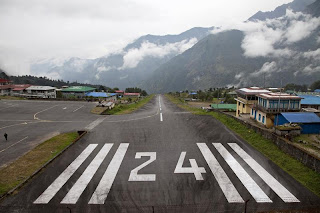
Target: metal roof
252,91
40,88
301,117
4,80
78,89
224,106
310,100
100,94
277,95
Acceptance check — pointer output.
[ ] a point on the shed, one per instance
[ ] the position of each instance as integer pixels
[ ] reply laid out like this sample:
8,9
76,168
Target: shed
230,107
308,121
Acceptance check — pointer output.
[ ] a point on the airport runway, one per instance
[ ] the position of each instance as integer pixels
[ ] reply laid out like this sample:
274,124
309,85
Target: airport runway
159,159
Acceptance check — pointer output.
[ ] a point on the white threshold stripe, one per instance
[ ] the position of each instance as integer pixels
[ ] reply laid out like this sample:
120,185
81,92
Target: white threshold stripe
78,108
101,193
243,176
50,192
228,189
161,118
81,184
279,189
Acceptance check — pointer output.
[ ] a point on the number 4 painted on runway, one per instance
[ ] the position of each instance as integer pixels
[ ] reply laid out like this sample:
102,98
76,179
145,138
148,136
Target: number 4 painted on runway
193,169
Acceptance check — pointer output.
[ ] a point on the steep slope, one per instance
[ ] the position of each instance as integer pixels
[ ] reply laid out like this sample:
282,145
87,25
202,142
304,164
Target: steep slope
272,53
128,68
296,6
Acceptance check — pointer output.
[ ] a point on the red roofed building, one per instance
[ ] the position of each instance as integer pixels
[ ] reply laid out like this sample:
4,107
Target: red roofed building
5,81
5,89
137,95
19,89
120,92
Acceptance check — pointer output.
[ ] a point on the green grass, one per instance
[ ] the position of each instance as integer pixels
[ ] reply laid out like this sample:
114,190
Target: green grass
128,108
15,173
6,97
306,176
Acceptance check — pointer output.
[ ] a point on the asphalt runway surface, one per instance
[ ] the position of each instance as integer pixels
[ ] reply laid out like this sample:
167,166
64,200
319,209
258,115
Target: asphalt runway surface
160,159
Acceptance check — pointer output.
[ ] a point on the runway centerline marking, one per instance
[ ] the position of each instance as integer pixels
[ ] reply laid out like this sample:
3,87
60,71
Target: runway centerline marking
228,189
161,118
50,192
24,123
81,184
95,123
243,176
279,189
14,144
101,193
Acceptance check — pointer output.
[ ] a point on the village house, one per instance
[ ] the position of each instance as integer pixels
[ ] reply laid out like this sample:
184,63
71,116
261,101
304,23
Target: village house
270,104
246,97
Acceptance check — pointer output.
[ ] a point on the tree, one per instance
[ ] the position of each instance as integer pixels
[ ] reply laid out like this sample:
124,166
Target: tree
315,85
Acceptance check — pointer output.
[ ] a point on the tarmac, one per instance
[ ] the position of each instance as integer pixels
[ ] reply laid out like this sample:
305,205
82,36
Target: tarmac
157,159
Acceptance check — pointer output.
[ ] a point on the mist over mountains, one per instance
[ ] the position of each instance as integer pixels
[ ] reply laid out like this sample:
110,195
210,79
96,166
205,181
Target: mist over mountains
271,48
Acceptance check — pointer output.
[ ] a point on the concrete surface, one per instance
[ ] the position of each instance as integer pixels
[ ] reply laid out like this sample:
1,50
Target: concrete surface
134,163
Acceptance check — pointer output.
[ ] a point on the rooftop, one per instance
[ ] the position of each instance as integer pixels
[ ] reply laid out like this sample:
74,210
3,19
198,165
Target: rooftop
132,94
301,117
4,80
19,87
252,91
277,95
100,94
224,106
40,88
310,100
78,89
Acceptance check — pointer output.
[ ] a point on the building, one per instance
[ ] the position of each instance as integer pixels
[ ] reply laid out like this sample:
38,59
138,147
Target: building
246,97
19,90
5,89
310,101
76,91
5,81
110,97
131,95
308,121
271,104
119,92
41,92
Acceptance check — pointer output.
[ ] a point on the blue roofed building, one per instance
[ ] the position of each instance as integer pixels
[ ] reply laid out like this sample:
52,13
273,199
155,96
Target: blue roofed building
310,101
308,121
103,95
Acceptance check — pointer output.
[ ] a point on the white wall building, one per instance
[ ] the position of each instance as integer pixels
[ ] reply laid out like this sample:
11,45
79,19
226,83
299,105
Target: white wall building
41,92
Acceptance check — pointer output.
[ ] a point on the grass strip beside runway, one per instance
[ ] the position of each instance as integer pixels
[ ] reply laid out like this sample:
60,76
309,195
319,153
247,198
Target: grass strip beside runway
121,109
306,176
15,173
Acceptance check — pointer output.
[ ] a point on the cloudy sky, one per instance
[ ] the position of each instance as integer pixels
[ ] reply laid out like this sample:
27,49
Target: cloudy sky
38,29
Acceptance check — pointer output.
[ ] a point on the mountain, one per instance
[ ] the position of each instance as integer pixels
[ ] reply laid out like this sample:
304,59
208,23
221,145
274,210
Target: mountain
296,6
129,67
276,52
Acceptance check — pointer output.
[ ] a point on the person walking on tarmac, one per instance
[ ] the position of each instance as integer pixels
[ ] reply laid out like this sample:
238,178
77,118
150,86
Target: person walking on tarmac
5,136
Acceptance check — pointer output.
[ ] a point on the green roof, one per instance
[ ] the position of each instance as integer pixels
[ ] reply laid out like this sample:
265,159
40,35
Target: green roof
78,89
224,106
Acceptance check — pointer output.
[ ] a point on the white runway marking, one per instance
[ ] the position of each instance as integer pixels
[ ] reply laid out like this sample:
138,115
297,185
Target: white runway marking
224,182
64,108
24,123
194,169
81,184
13,144
101,193
50,192
134,176
243,176
35,115
95,123
78,108
279,189
161,118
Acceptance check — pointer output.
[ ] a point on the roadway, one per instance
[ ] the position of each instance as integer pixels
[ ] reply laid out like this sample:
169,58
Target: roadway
159,159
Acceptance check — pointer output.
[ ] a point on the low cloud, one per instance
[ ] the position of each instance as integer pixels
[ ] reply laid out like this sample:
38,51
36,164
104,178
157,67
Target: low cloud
312,54
147,49
267,68
308,70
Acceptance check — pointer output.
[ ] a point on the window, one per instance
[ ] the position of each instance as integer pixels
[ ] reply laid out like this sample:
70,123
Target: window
251,111
262,119
239,103
259,117
243,105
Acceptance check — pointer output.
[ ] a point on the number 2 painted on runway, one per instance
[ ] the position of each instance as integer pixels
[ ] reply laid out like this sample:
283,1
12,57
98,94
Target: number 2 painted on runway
134,176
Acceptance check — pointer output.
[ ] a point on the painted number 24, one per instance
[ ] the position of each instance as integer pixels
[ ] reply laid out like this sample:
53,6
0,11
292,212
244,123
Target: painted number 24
194,169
